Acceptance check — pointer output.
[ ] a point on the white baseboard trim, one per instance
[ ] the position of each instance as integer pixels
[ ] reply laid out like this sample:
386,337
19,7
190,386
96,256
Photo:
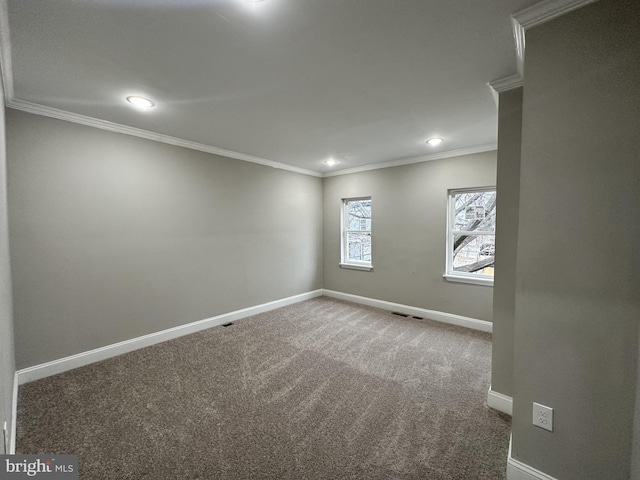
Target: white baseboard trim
418,312
14,415
516,470
54,367
499,402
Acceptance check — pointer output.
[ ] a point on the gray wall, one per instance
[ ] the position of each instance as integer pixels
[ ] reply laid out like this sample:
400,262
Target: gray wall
578,262
635,460
409,205
7,363
508,201
115,236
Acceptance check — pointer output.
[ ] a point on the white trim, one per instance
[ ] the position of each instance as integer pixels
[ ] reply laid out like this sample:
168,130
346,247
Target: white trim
85,358
546,11
450,274
14,415
538,14
500,402
519,39
51,112
505,84
353,266
137,132
410,160
443,317
6,69
486,282
344,234
516,470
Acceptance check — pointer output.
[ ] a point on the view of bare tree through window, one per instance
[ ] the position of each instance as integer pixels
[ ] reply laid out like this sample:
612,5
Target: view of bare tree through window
473,232
358,231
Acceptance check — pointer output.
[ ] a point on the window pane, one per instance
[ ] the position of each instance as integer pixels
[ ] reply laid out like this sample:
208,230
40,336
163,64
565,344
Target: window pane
359,215
475,211
474,254
359,247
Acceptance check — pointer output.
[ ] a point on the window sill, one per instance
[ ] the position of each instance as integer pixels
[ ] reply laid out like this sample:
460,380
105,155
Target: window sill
487,282
353,266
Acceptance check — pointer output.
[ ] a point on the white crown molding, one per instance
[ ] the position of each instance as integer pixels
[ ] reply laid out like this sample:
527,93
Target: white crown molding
504,84
51,112
546,11
158,137
518,38
536,15
54,367
6,71
507,83
137,132
422,158
443,317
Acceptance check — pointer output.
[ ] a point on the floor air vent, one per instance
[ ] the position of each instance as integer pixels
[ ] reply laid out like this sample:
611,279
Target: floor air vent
407,315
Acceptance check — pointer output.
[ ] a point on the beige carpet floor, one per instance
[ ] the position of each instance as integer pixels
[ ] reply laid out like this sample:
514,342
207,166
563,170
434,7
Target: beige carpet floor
322,389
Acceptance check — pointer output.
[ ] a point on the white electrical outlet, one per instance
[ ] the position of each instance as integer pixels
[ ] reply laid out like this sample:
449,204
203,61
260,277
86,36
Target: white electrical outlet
543,416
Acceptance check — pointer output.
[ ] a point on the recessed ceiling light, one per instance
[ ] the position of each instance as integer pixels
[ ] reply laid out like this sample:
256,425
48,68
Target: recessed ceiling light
140,101
331,162
435,141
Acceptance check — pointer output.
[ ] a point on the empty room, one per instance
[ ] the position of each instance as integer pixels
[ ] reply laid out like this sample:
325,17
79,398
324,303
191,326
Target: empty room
331,239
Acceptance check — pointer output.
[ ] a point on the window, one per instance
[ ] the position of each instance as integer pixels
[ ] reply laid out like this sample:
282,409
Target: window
471,232
356,233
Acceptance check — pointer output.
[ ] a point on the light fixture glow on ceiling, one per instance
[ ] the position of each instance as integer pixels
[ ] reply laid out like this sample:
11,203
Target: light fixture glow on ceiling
331,162
435,141
140,102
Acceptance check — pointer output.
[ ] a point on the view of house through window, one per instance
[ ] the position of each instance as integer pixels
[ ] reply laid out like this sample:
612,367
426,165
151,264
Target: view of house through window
356,232
471,246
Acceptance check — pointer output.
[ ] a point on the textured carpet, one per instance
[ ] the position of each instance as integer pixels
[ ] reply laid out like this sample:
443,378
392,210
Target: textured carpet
322,389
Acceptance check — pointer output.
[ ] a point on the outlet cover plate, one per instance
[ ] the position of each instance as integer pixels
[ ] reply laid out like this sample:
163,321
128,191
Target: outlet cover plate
543,416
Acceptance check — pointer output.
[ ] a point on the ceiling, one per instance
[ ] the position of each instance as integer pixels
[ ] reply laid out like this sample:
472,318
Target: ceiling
290,81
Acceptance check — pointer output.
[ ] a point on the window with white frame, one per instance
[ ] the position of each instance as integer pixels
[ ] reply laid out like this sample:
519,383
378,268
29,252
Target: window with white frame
356,233
471,233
